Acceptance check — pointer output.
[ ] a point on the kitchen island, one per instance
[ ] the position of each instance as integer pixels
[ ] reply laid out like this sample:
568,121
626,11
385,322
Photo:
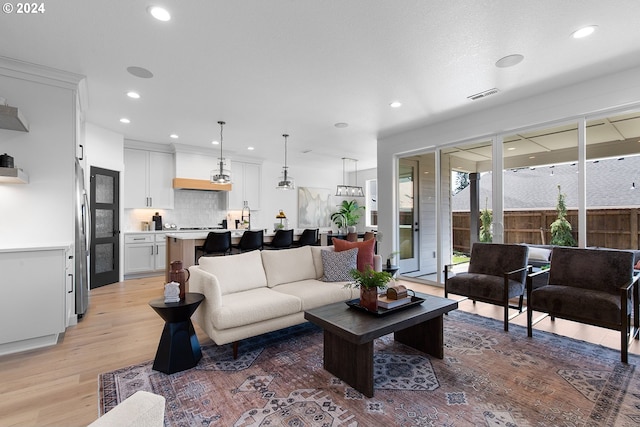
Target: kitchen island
182,246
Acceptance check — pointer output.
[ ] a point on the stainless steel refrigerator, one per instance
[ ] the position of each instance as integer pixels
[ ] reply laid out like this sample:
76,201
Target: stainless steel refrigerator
82,239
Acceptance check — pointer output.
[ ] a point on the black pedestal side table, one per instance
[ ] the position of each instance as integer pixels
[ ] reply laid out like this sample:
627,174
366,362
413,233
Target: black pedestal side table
179,348
391,269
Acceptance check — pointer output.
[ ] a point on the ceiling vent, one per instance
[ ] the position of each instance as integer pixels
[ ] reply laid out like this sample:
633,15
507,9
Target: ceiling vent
483,94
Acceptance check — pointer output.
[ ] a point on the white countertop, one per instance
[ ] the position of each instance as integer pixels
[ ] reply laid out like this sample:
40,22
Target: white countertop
37,248
202,234
171,231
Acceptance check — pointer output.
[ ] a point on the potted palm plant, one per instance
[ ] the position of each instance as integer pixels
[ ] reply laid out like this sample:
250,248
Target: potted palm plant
369,281
348,214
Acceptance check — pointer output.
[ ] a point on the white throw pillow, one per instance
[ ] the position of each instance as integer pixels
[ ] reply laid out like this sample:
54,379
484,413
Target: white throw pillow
337,265
539,254
236,273
288,265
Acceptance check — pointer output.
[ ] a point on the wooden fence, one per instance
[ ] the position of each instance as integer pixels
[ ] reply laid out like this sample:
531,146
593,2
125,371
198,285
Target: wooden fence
610,228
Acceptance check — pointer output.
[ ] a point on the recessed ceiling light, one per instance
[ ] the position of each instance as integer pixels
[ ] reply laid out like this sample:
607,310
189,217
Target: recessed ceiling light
396,104
173,136
215,142
584,32
341,125
509,61
250,148
143,73
160,13
511,148
125,120
134,95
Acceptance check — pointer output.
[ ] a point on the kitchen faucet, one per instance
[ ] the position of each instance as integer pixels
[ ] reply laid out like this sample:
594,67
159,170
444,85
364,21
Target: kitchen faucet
246,220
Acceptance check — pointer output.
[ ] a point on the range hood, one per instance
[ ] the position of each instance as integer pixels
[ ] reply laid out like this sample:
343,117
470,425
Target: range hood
199,184
11,118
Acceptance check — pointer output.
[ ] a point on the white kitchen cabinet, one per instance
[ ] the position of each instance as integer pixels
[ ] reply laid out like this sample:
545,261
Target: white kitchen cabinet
246,178
148,177
33,304
160,261
144,253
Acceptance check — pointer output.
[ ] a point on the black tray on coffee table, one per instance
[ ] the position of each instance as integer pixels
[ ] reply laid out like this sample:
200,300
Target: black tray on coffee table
355,303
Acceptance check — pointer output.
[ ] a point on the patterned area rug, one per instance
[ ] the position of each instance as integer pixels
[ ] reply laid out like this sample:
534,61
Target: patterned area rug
487,378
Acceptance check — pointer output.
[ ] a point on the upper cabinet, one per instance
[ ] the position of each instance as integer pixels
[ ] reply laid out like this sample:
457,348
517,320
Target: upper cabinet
148,177
246,178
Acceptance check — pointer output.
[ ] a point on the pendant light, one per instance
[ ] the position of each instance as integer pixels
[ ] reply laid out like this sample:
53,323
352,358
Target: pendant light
286,181
349,190
222,175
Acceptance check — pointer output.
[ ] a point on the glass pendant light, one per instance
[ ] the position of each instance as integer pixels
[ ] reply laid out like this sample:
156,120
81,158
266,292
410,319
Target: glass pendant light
286,181
349,190
222,175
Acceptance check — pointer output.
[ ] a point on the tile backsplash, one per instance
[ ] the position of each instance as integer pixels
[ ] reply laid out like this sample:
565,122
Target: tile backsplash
192,208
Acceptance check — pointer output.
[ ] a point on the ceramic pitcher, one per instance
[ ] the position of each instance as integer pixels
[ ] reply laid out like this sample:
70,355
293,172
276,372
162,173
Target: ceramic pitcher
179,275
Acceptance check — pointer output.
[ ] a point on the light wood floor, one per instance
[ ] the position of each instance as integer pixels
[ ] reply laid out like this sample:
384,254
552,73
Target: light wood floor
58,386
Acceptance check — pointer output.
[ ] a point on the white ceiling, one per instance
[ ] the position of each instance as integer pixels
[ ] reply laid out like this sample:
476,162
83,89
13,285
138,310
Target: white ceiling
269,67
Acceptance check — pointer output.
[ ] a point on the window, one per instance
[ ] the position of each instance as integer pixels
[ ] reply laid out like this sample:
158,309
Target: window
371,205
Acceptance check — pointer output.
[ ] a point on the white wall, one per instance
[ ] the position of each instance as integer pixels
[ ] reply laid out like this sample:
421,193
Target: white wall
41,212
103,148
597,95
273,200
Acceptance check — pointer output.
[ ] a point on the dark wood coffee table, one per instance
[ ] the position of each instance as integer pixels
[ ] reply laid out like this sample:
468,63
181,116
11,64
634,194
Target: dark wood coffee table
349,335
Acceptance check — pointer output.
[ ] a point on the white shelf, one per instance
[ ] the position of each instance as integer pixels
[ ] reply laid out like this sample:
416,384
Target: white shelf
13,176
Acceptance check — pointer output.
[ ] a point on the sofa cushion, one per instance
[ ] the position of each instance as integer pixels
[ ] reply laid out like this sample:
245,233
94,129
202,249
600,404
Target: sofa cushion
578,303
253,306
365,251
483,286
316,252
288,265
597,269
314,293
236,273
338,265
495,259
539,254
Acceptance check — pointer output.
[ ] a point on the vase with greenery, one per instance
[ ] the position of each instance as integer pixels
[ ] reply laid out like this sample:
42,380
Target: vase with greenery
561,228
391,257
486,218
348,214
369,281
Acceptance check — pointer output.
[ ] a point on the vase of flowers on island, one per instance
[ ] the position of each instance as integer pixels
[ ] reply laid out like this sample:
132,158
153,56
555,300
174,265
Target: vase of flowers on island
369,281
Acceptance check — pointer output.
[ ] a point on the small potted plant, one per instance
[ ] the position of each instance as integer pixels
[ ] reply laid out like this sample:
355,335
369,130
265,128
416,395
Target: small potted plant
391,257
369,281
347,215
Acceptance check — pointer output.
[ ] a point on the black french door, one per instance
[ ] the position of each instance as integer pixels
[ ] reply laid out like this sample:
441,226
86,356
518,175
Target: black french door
105,227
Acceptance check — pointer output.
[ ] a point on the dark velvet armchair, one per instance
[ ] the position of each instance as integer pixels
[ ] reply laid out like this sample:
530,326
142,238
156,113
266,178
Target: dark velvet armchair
496,274
593,286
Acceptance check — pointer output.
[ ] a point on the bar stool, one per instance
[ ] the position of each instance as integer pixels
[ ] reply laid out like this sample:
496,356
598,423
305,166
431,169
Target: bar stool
215,243
308,237
281,240
250,241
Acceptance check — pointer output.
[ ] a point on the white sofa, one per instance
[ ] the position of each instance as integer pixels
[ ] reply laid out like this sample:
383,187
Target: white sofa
262,291
141,409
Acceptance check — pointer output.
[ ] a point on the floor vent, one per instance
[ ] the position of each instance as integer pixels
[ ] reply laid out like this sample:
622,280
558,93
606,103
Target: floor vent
483,94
